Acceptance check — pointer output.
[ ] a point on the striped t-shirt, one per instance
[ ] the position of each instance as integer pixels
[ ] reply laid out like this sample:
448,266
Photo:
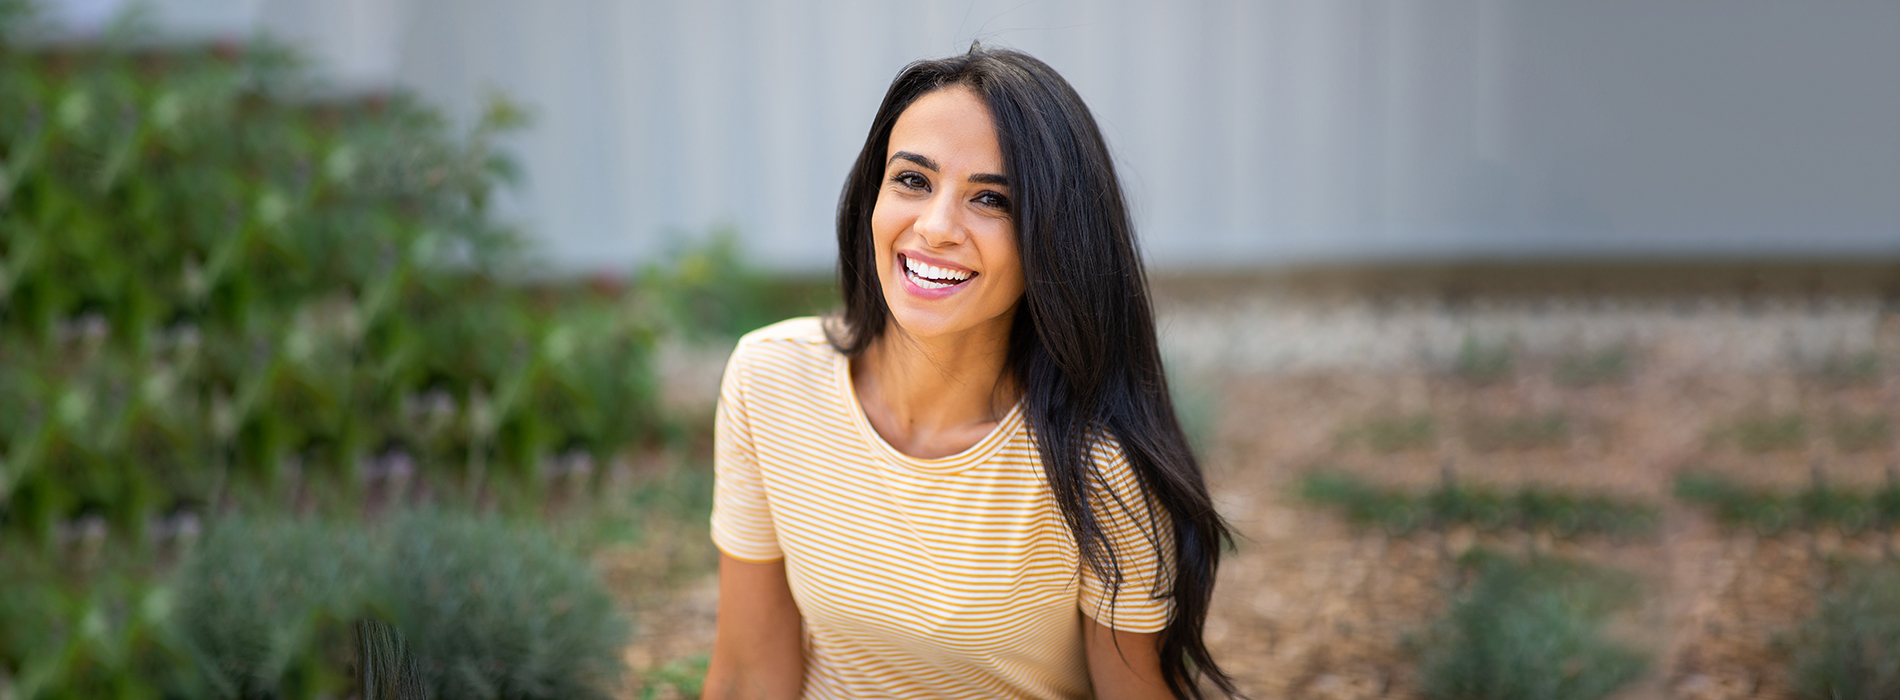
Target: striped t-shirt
917,578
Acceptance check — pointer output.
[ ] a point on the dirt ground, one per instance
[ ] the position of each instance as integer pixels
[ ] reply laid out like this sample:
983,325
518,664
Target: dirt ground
1310,607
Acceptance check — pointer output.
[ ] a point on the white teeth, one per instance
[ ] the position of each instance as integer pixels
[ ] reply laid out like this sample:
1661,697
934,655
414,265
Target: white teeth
932,272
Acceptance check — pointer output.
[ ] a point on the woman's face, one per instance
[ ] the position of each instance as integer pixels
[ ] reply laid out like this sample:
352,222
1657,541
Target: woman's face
946,246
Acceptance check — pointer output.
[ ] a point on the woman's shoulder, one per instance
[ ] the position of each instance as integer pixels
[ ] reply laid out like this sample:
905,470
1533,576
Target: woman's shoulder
786,345
804,329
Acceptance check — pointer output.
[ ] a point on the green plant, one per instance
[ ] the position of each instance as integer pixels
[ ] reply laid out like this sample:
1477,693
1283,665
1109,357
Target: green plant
707,291
1735,505
685,678
1529,630
1364,504
1843,370
1462,503
483,608
265,606
681,496
1459,503
214,287
81,630
1390,433
1886,504
1484,363
1850,649
219,294
1759,433
493,611
1516,432
1606,366
1820,504
1859,433
1567,515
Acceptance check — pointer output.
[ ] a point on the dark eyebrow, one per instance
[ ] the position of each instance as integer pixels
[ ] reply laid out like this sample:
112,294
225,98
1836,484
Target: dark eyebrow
985,178
912,157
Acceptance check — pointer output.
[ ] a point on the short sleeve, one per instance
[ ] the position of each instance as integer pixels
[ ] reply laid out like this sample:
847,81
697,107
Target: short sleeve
1139,531
741,518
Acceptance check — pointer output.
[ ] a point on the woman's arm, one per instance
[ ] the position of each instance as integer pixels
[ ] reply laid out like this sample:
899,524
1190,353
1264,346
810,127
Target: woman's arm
759,652
1124,665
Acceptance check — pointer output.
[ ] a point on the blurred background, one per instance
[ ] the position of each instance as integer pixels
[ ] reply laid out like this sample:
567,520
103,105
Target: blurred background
1250,134
1534,349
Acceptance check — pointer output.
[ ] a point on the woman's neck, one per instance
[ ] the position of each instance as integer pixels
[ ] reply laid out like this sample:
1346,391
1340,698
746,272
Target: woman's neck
935,397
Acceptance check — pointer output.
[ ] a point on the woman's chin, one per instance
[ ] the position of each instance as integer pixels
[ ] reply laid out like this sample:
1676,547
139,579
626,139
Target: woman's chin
933,316
923,324
920,324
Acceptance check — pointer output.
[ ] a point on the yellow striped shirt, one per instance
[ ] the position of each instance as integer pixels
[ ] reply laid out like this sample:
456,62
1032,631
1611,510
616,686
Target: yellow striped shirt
917,578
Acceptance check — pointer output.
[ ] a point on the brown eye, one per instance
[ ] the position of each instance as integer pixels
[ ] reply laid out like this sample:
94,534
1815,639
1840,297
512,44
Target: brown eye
993,201
911,180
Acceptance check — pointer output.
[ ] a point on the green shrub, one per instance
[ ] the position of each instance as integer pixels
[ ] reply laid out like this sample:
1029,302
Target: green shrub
707,292
103,631
1389,434
266,606
1529,630
210,281
1850,649
218,293
493,611
483,608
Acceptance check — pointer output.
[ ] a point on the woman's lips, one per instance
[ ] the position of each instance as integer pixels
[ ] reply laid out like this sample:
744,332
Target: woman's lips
930,280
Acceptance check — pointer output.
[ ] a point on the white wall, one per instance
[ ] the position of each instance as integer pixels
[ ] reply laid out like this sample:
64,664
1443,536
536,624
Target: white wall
1251,132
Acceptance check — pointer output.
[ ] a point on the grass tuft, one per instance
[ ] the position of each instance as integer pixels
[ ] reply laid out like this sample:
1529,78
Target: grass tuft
1529,630
1842,370
1761,433
1388,434
1850,649
1860,433
1563,515
1606,366
1481,362
1816,506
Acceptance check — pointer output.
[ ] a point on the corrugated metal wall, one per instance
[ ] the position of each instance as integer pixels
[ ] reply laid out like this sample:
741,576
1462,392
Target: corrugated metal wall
1251,133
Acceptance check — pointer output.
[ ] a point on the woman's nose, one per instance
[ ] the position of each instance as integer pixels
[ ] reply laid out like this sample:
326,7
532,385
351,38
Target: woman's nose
938,223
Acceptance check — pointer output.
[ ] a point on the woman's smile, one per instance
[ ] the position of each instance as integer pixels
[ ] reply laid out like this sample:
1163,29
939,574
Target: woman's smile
932,281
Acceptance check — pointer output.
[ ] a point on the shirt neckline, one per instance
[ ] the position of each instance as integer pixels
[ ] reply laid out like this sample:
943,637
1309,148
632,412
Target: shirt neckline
969,457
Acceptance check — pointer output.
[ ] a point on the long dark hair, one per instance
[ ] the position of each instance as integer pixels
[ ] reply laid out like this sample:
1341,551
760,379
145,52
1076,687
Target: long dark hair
1082,347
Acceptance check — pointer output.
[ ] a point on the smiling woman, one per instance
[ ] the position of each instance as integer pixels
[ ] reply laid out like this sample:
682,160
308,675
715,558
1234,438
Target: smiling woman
970,483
